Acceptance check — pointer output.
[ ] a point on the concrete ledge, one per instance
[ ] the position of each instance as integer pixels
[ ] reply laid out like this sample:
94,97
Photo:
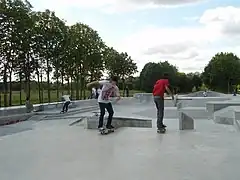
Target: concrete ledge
48,115
70,111
214,106
199,101
185,122
46,106
6,120
195,112
91,122
185,100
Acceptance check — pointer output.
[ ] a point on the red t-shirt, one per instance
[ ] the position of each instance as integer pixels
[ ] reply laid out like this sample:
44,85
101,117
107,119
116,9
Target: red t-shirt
159,87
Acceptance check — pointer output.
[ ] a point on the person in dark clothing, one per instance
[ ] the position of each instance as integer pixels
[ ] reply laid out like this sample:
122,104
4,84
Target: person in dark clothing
159,89
67,101
126,90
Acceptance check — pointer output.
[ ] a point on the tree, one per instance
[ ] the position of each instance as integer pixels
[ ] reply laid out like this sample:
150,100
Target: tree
197,81
85,56
52,31
222,72
184,83
119,64
151,72
15,23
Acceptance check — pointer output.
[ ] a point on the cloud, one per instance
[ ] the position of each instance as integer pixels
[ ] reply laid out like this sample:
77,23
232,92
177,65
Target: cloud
227,19
189,47
114,6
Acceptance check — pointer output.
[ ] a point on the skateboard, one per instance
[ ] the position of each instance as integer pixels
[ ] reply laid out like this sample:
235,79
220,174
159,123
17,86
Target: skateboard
96,113
106,131
162,130
62,112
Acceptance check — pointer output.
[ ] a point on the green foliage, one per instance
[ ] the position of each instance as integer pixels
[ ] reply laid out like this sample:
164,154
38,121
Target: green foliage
222,72
179,82
151,72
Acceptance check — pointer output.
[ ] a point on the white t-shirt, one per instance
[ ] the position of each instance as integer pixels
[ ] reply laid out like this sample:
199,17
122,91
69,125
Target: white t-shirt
66,98
107,90
204,94
94,91
99,90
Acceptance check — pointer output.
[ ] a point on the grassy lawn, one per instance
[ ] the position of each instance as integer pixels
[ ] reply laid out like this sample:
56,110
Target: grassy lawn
34,96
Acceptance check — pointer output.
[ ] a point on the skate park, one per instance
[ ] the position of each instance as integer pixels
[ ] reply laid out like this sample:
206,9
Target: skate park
200,142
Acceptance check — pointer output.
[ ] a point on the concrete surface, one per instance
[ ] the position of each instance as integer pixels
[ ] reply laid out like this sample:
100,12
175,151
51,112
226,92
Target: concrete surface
60,149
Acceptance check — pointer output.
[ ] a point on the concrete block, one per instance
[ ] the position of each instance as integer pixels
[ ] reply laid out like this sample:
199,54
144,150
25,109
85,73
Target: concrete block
185,122
195,112
213,106
199,101
224,116
170,112
237,118
91,122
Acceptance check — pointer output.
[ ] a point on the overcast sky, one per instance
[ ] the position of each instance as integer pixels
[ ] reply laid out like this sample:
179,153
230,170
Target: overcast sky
187,33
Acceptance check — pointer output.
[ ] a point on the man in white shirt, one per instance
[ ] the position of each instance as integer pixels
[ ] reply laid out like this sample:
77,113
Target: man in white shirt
98,92
108,88
67,101
94,93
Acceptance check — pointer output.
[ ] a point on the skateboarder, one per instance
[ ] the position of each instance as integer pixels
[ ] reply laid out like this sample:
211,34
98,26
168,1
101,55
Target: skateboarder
67,101
108,88
158,93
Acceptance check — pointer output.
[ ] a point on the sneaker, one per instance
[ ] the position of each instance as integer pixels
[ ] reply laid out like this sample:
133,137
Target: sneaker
163,126
110,127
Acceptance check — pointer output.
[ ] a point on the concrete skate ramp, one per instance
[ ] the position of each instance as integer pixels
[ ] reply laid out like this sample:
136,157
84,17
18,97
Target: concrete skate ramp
209,94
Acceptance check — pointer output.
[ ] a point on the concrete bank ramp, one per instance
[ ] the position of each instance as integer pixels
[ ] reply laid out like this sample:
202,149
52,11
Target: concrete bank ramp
209,94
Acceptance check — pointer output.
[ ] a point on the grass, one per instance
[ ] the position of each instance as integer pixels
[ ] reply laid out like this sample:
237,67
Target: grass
35,100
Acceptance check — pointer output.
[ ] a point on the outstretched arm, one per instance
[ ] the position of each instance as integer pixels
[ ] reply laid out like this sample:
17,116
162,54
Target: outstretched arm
92,84
169,91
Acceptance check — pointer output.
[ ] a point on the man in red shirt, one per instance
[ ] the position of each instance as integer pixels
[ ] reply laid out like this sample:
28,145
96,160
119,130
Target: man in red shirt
158,94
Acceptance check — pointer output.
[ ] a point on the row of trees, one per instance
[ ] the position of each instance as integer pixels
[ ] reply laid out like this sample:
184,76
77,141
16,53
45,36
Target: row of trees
222,73
180,82
37,44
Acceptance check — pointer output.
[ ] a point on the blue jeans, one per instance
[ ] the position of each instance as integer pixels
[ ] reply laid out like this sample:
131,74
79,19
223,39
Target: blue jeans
159,101
65,106
109,108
